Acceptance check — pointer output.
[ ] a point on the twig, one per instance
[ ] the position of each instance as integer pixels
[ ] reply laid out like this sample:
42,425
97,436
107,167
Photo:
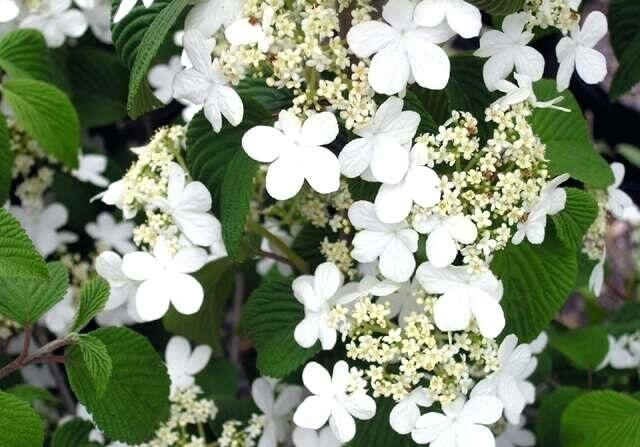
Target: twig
279,245
25,358
275,257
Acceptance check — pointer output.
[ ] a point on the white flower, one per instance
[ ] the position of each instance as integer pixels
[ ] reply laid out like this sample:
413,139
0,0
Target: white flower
317,294
9,10
404,52
264,265
330,401
206,84
405,414
304,437
126,6
576,52
461,425
444,236
515,94
183,363
122,288
165,280
392,244
98,15
618,200
246,32
551,201
114,196
90,168
515,435
420,185
368,286
56,22
402,303
189,205
277,411
464,295
42,226
161,78
463,18
295,151
383,142
59,318
209,16
596,278
107,232
508,49
539,343
508,382
620,354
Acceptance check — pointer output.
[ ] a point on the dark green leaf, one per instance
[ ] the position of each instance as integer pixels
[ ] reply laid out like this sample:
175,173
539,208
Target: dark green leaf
377,432
576,218
20,426
93,298
72,433
625,39
218,379
550,415
6,161
90,352
24,54
18,256
499,7
31,394
585,347
628,73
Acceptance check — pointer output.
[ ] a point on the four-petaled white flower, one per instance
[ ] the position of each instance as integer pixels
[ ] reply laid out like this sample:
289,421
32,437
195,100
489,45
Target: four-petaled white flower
246,32
463,424
621,353
276,410
126,6
56,21
90,168
404,52
183,363
618,201
392,244
523,91
515,435
551,201
42,226
330,401
464,295
420,185
405,414
209,16
165,280
161,78
508,383
576,52
445,235
122,288
304,437
402,302
508,49
59,318
189,205
296,152
9,10
463,18
382,146
106,231
114,196
206,84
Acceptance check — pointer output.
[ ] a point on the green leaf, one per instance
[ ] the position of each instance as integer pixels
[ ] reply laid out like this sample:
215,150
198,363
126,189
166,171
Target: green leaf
499,7
218,379
24,54
204,326
31,394
585,347
377,432
550,415
273,100
136,398
602,419
26,301
269,319
47,115
307,244
20,426
72,433
92,354
625,39
18,256
625,319
362,190
6,161
573,222
569,147
628,73
93,298
537,281
419,102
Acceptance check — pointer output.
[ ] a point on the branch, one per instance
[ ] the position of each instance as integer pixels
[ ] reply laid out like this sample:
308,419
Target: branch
279,245
25,358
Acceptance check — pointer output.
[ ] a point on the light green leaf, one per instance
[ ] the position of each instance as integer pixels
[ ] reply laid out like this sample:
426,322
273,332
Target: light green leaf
93,298
20,426
499,7
24,54
47,115
72,433
6,161
26,301
18,256
625,39
92,354
550,415
585,347
31,394
573,222
136,398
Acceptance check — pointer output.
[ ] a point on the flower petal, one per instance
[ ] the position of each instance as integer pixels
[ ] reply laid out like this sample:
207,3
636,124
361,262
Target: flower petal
591,65
322,169
488,314
152,299
430,64
441,248
452,312
285,178
317,379
313,412
390,160
396,261
186,293
262,394
355,157
368,38
342,424
390,69
140,266
264,143
319,129
198,360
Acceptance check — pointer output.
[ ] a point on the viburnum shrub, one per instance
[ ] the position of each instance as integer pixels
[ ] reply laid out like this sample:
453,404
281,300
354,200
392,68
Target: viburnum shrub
236,223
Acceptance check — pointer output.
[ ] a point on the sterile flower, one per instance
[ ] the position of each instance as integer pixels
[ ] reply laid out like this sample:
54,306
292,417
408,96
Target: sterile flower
206,84
126,6
539,343
165,280
9,10
246,31
392,244
90,168
59,318
515,435
508,383
382,145
420,185
445,235
122,288
619,355
209,16
464,295
402,302
508,49
330,401
523,91
161,78
276,410
461,425
42,226
596,278
295,151
618,200
183,363
463,18
404,52
56,21
98,15
576,52
405,414
107,232
189,205
304,437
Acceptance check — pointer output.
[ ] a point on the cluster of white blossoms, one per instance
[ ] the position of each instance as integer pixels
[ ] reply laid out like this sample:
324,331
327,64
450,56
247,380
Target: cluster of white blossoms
560,14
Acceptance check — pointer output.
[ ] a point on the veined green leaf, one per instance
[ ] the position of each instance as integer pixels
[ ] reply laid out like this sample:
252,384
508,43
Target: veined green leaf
93,298
20,426
18,257
24,54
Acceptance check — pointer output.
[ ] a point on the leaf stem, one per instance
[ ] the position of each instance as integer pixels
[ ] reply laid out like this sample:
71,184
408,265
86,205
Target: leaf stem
25,358
279,245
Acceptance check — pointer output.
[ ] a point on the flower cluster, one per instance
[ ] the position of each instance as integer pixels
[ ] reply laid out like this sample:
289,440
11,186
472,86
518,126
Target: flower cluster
560,14
238,434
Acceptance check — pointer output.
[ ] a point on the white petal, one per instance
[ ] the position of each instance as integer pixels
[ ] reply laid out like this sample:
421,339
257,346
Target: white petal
191,85
327,335
206,16
317,379
73,23
430,12
360,406
452,312
393,203
230,104
389,71
430,427
430,64
186,294
398,13
441,248
327,279
530,62
397,262
242,32
199,359
363,215
498,67
403,416
189,260
390,160
591,65
152,300
370,37
288,399
319,129
424,185
461,228
513,24
488,314
123,9
464,18
313,412
342,424
355,157
263,143
565,71
285,178
471,435
369,245
177,352
262,394
198,50
482,410
8,10
109,265
593,29
140,266
322,169
307,331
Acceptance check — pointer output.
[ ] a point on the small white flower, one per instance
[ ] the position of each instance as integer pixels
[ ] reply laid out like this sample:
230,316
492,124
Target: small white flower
206,84
42,226
515,435
539,343
463,18
404,52
392,244
189,205
596,278
122,288
405,414
56,21
402,302
165,280
296,152
276,410
98,15
330,401
246,32
161,78
114,196
461,425
576,52
183,363
90,168
464,295
445,235
304,437
126,6
107,232
209,16
59,318
618,200
515,94
382,144
620,354
9,10
509,383
508,49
